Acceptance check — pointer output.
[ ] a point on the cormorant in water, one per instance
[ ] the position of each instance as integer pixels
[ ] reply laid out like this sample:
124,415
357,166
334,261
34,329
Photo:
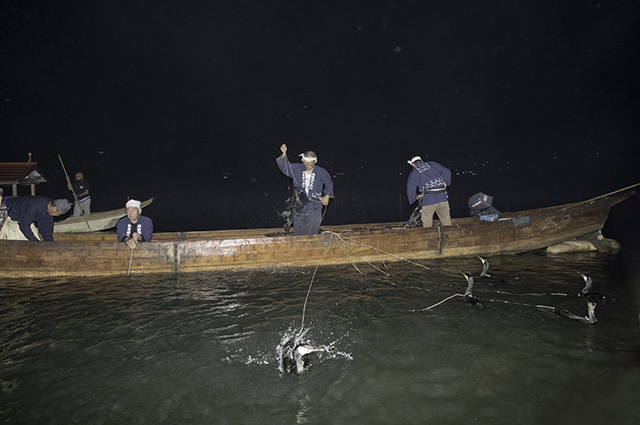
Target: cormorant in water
296,360
590,318
468,295
485,268
586,291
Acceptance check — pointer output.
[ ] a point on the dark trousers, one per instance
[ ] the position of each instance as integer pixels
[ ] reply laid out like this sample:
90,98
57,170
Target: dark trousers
307,222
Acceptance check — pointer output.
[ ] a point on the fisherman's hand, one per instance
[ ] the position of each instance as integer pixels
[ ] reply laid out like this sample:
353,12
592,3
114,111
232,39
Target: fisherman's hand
420,195
325,200
131,242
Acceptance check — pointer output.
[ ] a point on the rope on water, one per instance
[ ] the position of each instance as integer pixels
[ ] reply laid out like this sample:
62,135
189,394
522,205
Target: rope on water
524,304
562,294
304,308
436,304
492,300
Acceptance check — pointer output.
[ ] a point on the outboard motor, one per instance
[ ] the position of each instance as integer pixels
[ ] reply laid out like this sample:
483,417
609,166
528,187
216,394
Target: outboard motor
481,205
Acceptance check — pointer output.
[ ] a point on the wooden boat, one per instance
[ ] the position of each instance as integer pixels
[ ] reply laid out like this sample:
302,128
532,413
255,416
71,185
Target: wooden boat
94,254
94,222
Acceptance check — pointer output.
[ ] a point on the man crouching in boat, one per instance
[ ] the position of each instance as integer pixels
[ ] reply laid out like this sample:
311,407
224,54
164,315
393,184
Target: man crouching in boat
134,227
20,215
313,181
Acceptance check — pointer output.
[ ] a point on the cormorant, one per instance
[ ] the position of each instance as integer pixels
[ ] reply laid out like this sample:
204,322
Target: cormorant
586,291
485,268
468,295
590,318
297,360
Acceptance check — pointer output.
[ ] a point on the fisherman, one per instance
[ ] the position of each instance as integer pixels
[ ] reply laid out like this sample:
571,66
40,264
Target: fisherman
431,180
24,213
134,227
315,182
80,188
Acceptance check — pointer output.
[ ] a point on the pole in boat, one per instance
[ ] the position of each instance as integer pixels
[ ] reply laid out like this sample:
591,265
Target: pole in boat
74,193
130,262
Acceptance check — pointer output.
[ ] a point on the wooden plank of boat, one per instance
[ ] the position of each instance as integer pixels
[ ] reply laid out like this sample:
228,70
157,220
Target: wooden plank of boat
97,221
100,254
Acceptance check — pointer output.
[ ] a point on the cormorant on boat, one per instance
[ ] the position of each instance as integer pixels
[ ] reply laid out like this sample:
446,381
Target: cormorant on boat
586,291
415,216
292,206
590,318
468,295
296,359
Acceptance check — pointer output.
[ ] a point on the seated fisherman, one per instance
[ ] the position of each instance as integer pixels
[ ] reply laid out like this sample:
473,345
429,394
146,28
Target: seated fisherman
134,227
25,211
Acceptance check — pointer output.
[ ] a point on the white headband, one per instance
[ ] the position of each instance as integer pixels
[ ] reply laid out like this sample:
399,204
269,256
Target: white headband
414,159
308,158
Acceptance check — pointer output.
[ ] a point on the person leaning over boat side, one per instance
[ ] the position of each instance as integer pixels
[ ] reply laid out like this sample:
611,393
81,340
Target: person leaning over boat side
314,181
431,180
134,227
80,187
24,213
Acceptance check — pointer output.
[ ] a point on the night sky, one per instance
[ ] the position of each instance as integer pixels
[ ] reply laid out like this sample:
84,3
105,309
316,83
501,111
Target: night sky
533,102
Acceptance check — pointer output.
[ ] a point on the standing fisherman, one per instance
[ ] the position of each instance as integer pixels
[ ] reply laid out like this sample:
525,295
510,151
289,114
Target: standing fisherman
80,187
316,184
431,180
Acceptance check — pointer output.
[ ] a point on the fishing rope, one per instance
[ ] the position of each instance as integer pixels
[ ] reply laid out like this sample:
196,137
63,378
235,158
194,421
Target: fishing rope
304,308
290,169
377,250
524,304
533,294
436,304
345,245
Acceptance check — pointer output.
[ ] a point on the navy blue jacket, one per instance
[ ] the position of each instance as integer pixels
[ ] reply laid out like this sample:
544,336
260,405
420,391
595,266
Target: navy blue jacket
320,184
31,209
429,178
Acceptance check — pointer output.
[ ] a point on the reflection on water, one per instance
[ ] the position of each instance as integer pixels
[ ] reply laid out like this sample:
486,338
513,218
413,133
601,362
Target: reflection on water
207,348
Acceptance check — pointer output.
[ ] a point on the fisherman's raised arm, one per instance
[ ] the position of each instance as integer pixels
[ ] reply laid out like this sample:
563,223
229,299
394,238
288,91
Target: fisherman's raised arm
282,162
283,149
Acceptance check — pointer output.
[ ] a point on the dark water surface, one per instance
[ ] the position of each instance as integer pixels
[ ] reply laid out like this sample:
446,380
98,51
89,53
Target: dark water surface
205,348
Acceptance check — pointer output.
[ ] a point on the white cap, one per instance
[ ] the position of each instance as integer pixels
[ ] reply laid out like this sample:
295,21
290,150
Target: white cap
414,159
133,203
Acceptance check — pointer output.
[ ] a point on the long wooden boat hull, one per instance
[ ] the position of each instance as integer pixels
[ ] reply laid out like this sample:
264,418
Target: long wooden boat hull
99,253
94,222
